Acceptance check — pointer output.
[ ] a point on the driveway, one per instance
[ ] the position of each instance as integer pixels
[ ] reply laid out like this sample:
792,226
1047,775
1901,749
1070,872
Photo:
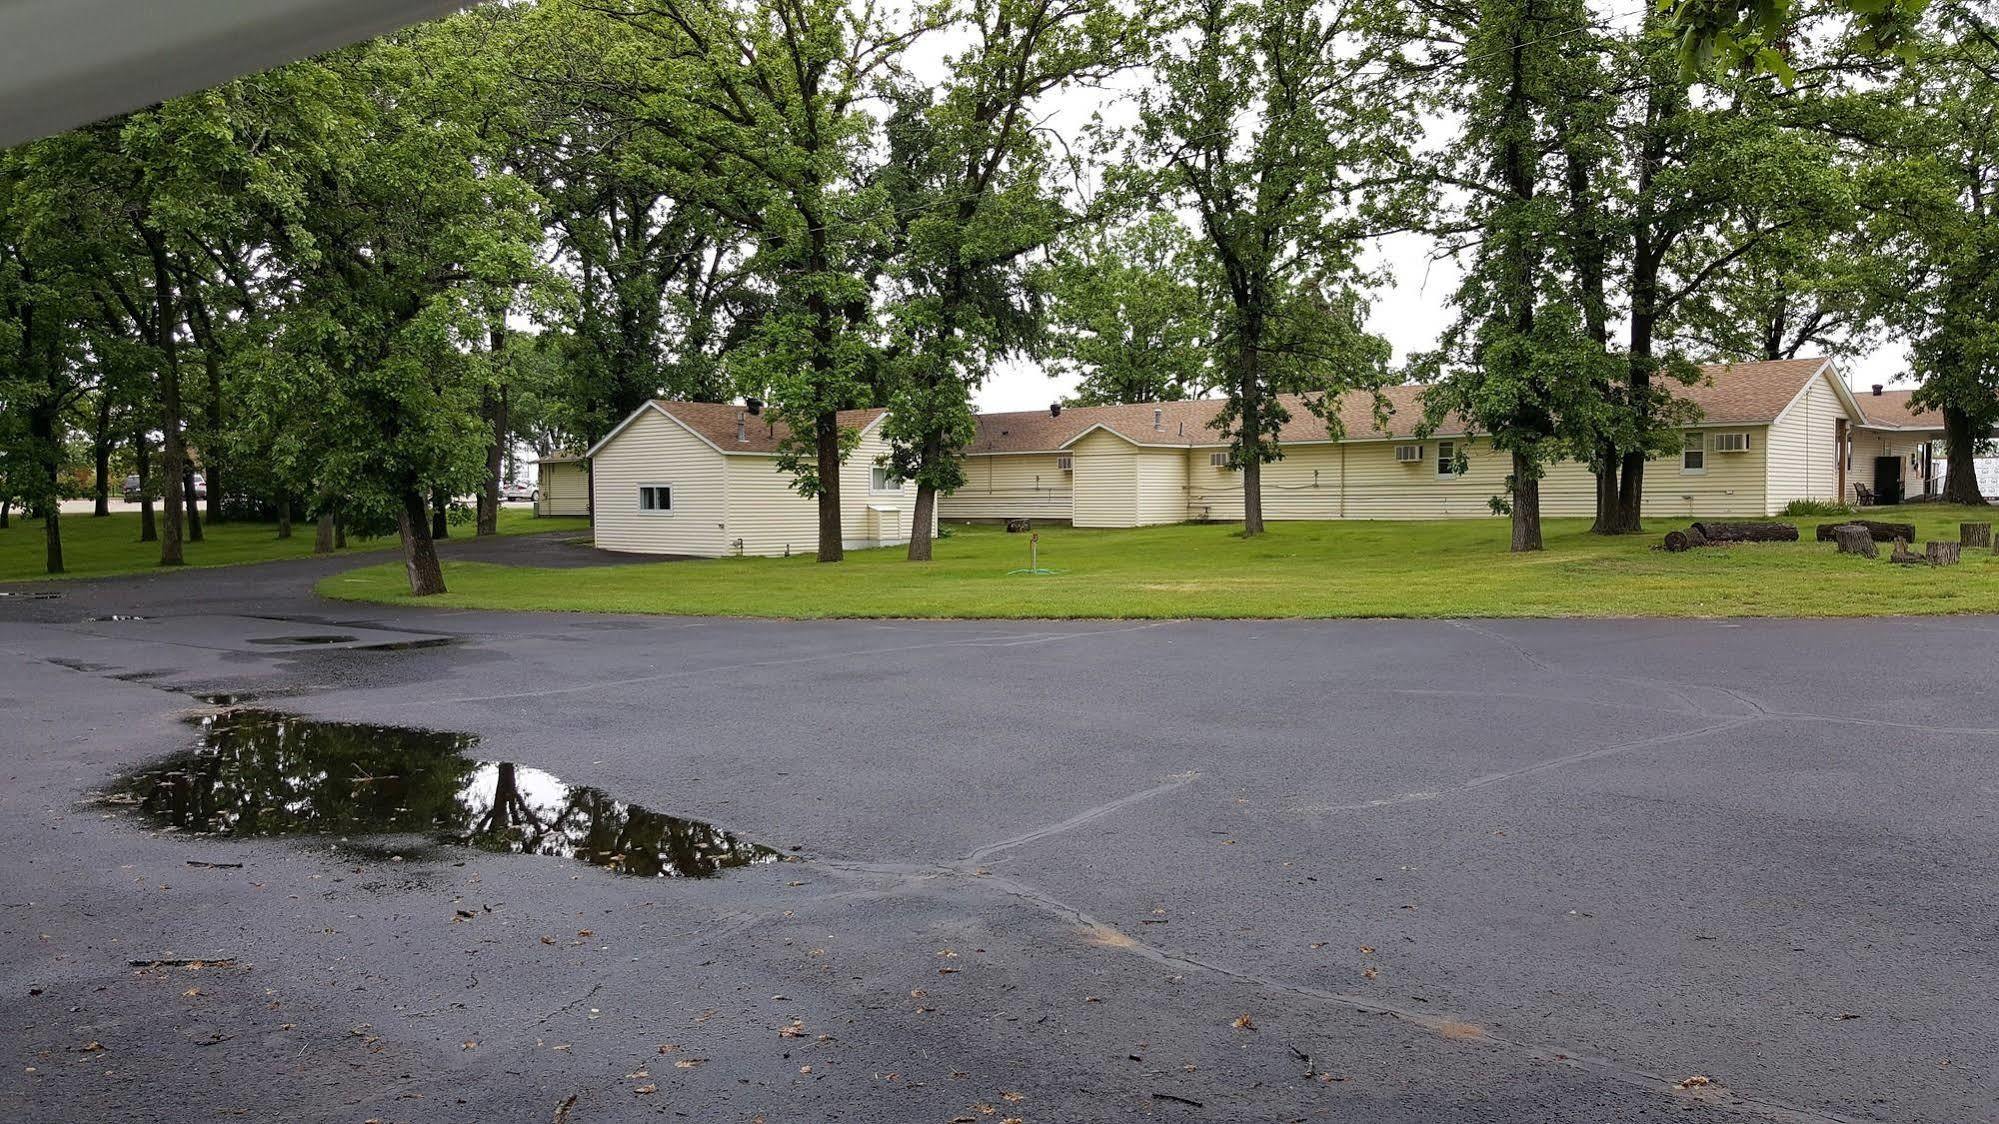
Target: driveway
1183,871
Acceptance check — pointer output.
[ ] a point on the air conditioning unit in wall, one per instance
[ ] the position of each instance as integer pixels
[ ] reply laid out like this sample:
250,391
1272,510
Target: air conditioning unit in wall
1408,454
1731,442
1066,463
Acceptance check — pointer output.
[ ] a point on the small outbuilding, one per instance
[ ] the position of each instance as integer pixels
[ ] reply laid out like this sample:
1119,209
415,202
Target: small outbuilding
562,486
702,479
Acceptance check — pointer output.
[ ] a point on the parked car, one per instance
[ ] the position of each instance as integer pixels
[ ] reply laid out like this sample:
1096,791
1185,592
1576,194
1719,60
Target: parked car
517,492
133,494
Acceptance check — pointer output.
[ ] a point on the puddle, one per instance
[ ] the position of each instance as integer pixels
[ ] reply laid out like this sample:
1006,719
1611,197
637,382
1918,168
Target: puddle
408,645
329,638
261,773
31,595
224,698
118,617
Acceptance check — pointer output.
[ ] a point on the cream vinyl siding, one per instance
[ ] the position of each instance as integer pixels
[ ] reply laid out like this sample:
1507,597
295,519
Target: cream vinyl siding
1011,486
766,516
861,509
1162,486
1106,481
655,449
1900,444
1378,487
1803,454
564,488
1304,485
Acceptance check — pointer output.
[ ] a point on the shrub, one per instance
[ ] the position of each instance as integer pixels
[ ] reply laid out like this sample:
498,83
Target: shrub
1816,507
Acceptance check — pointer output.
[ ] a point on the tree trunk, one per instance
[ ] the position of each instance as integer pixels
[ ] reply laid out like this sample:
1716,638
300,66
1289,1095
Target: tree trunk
322,535
919,527
6,511
101,448
419,550
149,528
827,440
339,531
1880,532
52,533
1607,462
193,509
1631,495
1251,437
494,410
1748,532
926,501
284,517
1960,445
1526,489
173,454
211,358
440,514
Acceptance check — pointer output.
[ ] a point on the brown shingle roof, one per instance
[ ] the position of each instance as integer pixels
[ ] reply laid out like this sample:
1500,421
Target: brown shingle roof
1188,422
1728,394
716,421
1747,393
1891,408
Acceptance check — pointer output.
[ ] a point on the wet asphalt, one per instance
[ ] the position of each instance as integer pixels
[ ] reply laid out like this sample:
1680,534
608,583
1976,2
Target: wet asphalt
1042,871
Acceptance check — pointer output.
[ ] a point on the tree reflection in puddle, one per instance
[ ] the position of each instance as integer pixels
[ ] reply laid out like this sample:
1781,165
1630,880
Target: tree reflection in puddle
258,772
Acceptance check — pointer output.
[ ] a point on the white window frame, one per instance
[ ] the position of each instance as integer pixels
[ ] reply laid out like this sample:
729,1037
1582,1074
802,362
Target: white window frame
1219,460
1741,435
1447,459
874,474
1066,462
1417,459
1694,443
659,511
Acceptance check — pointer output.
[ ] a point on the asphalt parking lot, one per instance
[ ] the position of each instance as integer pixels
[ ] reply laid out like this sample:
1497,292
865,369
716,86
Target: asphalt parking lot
1034,871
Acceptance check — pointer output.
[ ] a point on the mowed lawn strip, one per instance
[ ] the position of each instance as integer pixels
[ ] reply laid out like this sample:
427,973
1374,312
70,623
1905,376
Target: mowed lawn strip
1454,568
95,548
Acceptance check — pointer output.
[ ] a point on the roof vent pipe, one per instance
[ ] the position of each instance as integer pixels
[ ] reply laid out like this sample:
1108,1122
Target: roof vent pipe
742,434
1055,409
1877,390
1158,419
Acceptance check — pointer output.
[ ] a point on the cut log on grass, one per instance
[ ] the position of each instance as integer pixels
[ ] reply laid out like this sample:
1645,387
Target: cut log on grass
1943,553
1882,532
1856,540
1018,526
1748,532
1903,556
1678,541
1974,534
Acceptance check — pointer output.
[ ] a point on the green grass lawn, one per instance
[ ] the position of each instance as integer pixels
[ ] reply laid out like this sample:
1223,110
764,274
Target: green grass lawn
94,547
1455,568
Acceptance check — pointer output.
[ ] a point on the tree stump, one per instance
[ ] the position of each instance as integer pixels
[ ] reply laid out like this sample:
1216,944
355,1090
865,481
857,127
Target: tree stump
1943,553
1882,532
1856,540
1974,534
1677,541
1018,526
1748,532
1903,556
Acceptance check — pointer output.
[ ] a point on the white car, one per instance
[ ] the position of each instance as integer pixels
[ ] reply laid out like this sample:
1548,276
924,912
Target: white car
518,492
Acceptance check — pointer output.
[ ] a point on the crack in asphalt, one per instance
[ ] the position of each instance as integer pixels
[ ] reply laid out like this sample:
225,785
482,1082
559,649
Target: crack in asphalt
904,875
